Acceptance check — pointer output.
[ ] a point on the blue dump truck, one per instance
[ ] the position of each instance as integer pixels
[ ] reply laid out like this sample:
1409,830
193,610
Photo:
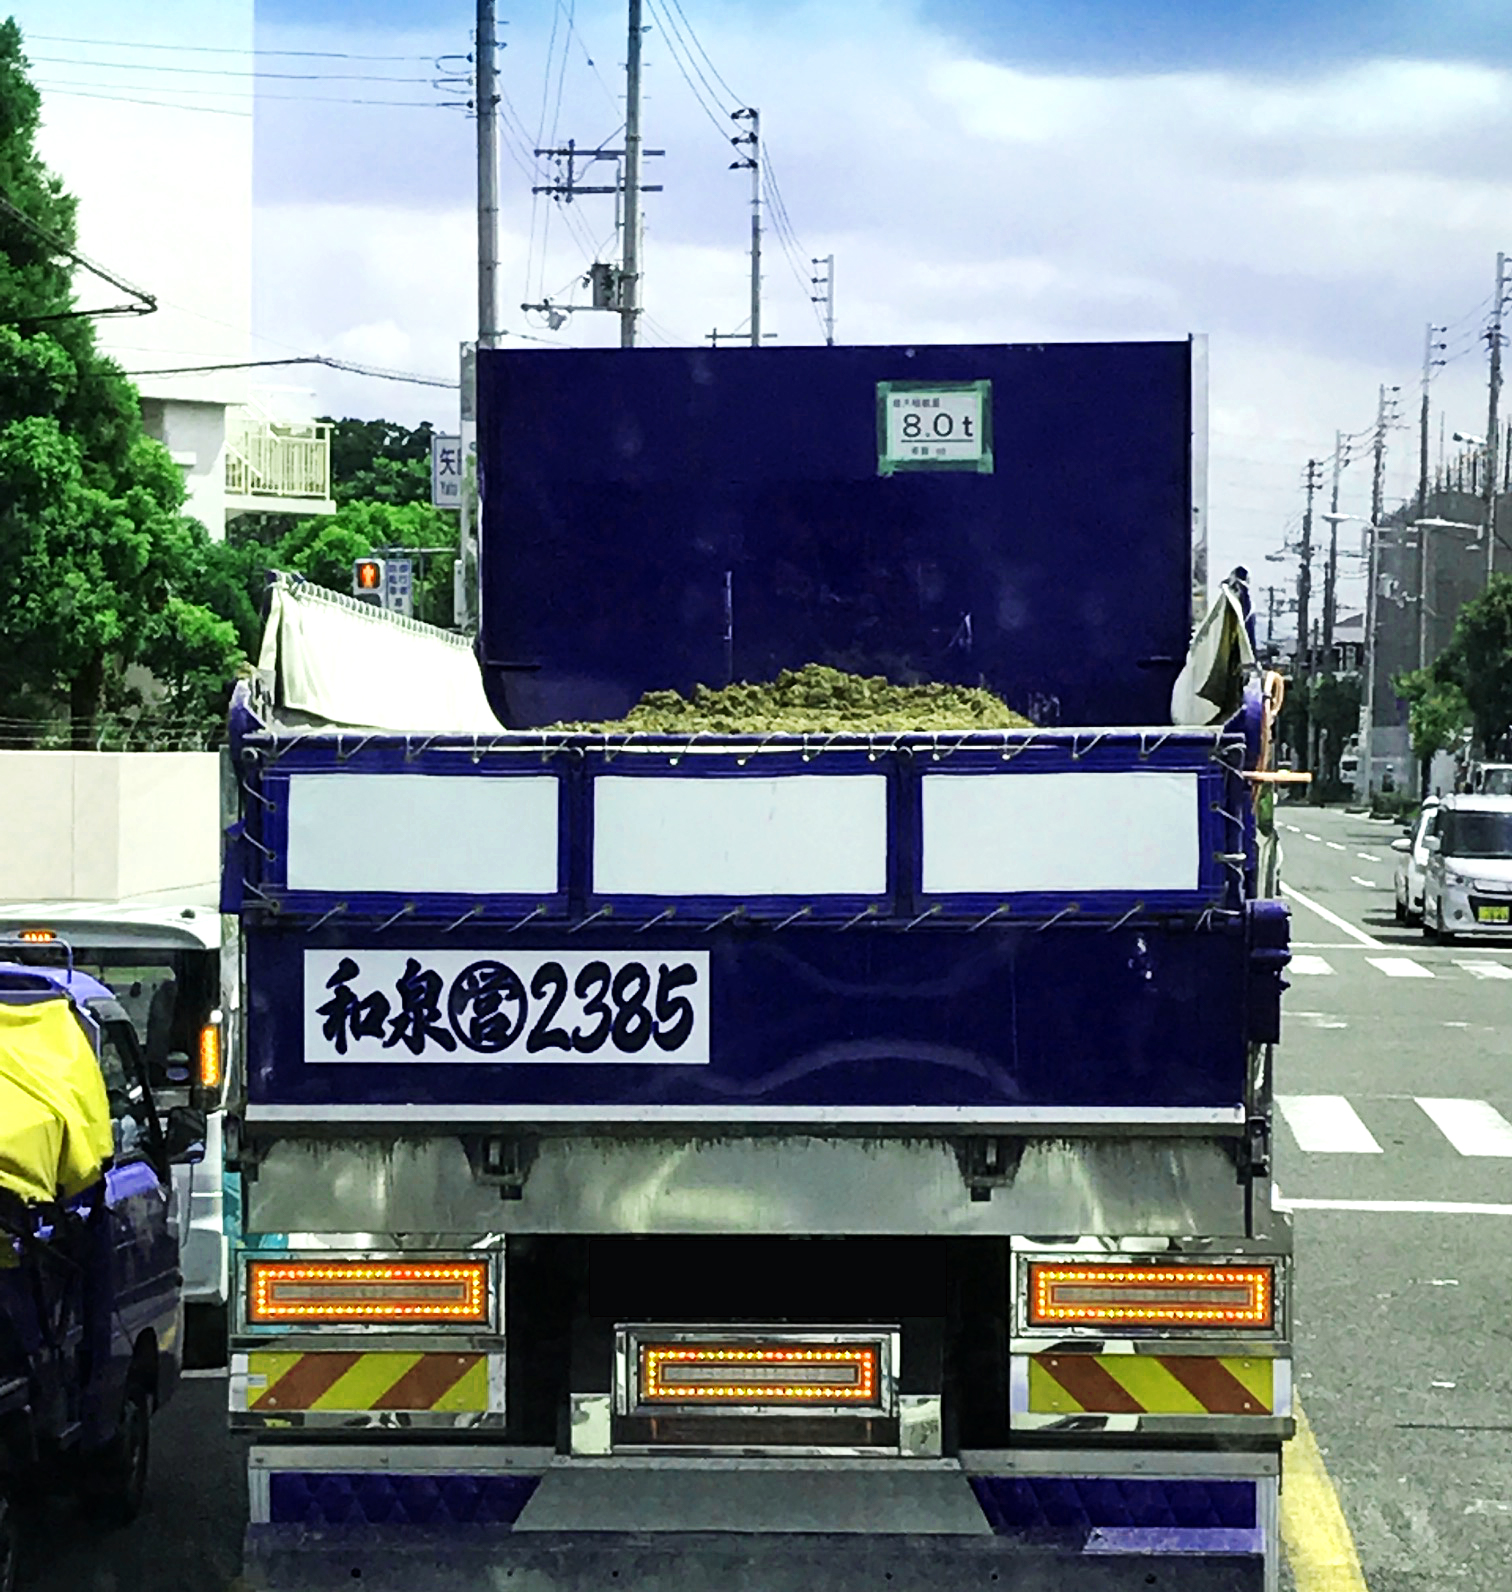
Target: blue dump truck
767,1159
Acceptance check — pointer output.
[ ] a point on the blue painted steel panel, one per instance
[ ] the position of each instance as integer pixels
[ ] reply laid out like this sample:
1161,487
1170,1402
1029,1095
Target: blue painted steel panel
874,1017
662,517
1073,1507
377,1498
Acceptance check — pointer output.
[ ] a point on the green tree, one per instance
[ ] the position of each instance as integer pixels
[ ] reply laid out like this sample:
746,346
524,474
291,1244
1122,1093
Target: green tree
1478,660
379,461
98,567
1333,709
1438,715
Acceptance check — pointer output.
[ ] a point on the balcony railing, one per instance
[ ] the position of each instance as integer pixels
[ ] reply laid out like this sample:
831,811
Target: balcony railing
270,461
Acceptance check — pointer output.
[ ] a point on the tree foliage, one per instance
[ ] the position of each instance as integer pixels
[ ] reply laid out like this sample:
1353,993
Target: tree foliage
379,461
98,567
1478,661
1438,714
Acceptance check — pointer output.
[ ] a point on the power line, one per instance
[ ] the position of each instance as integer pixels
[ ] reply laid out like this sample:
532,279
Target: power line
219,49
131,99
350,366
704,53
226,71
73,91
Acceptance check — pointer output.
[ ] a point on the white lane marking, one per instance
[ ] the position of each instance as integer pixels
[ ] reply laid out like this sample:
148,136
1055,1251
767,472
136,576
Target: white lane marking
1291,829
1397,1207
1484,969
1310,966
1455,1025
1368,884
1473,1127
1333,845
1399,967
1370,856
1327,1125
1358,935
1311,837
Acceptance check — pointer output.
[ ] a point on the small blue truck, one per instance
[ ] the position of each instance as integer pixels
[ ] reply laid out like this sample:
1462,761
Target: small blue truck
779,1160
91,1309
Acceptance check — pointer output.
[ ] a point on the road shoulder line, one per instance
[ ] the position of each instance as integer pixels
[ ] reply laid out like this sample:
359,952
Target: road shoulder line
1319,1546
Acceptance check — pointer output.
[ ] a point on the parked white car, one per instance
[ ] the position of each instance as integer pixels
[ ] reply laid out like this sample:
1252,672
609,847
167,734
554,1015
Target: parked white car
1467,883
1412,859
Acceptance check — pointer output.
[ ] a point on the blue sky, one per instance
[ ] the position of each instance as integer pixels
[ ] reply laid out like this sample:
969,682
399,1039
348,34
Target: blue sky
1307,183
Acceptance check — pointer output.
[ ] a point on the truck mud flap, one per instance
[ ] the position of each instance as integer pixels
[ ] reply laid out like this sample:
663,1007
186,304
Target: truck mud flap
490,1559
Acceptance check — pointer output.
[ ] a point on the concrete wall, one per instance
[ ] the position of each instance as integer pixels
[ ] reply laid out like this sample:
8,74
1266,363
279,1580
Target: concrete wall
109,826
195,434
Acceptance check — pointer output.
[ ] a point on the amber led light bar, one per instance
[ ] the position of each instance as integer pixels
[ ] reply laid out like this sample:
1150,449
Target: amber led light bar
1156,1296
414,1292
732,1373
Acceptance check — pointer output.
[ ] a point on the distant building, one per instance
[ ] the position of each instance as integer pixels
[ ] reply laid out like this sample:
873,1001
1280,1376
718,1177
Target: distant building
161,164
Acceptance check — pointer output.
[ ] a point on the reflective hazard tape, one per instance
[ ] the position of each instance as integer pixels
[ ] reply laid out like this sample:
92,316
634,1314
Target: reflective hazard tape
327,1380
1149,1384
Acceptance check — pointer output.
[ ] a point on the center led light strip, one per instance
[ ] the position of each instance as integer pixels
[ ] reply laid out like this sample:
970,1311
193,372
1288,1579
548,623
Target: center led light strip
351,1291
685,1373
1197,1296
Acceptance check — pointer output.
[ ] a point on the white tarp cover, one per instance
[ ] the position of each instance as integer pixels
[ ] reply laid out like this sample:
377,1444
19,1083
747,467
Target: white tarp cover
339,661
1210,688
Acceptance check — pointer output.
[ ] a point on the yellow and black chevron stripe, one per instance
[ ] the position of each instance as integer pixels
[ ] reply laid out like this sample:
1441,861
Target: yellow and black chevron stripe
280,1383
1151,1384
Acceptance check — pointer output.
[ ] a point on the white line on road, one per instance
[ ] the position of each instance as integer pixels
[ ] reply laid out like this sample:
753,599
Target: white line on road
1306,836
1327,1124
1333,845
1399,967
1291,829
1358,935
1396,1207
1311,966
1484,969
1370,856
1473,1127
1369,884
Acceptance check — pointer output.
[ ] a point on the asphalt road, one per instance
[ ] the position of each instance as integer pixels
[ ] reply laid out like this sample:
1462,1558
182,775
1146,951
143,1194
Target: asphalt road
1395,1074
188,1537
1404,1336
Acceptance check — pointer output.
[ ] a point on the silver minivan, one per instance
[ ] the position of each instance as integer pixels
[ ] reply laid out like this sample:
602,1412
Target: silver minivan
1467,883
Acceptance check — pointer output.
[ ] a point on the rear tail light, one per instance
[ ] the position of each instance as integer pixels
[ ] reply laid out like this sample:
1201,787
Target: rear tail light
345,1292
211,1061
744,1374
1155,1296
37,936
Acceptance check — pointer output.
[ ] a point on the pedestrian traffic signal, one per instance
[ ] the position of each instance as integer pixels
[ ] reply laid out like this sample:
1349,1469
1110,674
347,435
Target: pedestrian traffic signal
367,580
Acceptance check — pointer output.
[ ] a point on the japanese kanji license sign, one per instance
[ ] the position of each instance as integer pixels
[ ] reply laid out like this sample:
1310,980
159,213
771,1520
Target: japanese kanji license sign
934,426
447,470
506,1006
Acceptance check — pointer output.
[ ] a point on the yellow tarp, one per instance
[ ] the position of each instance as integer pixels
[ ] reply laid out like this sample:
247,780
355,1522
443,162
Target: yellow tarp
54,1116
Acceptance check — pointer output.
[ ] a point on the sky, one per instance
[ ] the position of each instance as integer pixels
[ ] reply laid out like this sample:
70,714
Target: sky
1307,184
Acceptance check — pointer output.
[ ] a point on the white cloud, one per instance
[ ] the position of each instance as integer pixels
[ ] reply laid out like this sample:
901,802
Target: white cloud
1309,224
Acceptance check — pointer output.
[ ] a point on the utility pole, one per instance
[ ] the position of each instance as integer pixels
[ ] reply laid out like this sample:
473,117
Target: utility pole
487,109
1493,419
1304,600
1331,573
630,251
827,297
1365,766
752,163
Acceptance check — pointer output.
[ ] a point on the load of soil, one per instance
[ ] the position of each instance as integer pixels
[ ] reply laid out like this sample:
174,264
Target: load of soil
813,699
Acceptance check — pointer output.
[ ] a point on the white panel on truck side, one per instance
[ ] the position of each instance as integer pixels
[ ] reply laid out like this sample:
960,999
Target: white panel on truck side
428,834
789,835
1054,833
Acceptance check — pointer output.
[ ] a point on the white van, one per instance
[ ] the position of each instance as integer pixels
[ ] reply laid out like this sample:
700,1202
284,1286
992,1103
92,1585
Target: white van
1467,883
162,964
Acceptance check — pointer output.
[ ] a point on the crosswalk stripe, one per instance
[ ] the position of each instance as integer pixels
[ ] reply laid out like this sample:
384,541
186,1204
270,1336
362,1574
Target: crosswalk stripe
1484,969
1473,1127
1327,1124
1311,966
1399,967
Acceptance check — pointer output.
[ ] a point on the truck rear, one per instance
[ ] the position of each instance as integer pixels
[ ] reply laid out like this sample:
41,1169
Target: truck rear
761,1158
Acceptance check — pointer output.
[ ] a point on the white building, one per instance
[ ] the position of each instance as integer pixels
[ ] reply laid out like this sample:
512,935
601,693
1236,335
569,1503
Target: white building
159,154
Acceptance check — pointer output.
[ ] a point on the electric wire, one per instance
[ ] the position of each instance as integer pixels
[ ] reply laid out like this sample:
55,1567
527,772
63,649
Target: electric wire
226,71
217,49
703,52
